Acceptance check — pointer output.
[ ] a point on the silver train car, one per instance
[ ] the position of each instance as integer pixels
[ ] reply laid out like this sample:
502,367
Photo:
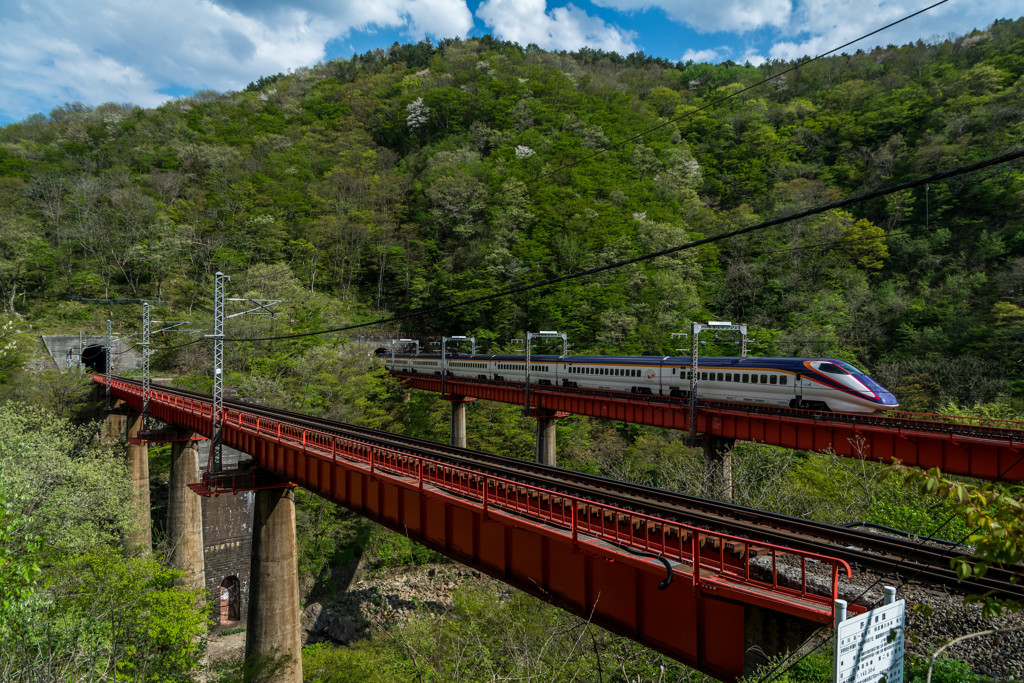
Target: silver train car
810,383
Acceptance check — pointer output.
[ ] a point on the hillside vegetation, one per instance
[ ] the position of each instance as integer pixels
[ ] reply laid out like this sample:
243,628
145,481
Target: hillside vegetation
424,175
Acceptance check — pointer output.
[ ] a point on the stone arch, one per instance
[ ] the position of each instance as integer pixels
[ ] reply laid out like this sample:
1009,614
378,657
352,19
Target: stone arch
230,599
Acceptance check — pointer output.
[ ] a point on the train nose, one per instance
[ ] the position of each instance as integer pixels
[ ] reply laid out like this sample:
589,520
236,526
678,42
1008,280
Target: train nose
887,399
877,392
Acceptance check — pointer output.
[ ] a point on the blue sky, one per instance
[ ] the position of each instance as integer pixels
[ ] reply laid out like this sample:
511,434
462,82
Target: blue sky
148,51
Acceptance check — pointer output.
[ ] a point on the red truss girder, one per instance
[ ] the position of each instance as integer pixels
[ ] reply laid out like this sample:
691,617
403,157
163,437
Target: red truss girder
953,454
565,549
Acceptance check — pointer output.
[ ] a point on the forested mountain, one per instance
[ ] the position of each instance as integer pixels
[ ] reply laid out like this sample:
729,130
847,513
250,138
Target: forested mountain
426,174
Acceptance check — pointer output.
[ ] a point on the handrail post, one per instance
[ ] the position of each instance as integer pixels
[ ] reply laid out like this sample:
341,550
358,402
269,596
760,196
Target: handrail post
575,522
695,552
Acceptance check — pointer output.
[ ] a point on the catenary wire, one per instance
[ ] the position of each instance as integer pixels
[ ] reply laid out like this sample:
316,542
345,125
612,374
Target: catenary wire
892,189
596,153
725,98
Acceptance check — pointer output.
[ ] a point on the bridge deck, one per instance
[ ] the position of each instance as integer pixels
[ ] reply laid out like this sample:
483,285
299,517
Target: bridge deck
956,446
603,562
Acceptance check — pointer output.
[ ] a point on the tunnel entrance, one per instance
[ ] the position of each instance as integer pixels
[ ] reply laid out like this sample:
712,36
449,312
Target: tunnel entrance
94,358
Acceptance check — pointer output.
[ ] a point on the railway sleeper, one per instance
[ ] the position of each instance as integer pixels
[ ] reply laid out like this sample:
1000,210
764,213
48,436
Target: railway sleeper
711,542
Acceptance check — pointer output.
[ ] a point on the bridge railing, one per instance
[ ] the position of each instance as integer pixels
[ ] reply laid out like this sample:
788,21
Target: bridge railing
713,557
708,557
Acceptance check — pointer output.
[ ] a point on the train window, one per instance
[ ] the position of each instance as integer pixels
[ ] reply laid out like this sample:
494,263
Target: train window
773,379
704,376
719,377
783,380
728,377
764,379
832,369
746,377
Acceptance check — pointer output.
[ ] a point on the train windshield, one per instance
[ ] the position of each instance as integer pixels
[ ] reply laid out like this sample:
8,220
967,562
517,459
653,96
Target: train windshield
840,368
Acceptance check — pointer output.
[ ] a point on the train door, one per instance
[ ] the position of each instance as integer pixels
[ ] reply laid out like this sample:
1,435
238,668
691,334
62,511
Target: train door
798,389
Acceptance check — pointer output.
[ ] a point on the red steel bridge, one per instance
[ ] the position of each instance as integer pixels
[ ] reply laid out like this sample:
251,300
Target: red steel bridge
974,447
702,596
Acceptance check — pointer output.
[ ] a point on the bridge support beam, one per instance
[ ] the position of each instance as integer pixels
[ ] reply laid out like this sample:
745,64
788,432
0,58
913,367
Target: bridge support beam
458,420
547,446
138,463
185,512
272,628
718,453
767,633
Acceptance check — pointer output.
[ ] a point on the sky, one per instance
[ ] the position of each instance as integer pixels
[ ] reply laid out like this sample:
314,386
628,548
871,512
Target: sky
146,52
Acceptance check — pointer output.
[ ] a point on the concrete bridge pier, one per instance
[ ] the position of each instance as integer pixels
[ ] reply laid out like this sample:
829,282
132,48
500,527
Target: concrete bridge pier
547,447
458,419
718,453
272,629
185,511
113,421
138,462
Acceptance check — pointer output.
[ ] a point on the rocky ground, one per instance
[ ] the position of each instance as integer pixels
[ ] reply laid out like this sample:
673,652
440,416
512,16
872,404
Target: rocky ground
377,601
934,617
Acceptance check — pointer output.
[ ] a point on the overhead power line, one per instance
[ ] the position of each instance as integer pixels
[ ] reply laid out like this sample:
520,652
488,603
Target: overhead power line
730,96
832,206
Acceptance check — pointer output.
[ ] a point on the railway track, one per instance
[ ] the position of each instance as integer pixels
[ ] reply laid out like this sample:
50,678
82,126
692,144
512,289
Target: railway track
887,555
982,428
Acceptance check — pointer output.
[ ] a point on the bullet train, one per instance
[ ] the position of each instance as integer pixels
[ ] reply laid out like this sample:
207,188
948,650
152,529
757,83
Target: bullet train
810,383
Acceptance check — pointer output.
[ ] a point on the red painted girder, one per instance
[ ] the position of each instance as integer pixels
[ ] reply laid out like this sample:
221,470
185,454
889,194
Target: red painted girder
954,454
565,549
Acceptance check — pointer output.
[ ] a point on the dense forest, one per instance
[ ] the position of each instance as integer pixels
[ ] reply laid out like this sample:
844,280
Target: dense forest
365,191
426,174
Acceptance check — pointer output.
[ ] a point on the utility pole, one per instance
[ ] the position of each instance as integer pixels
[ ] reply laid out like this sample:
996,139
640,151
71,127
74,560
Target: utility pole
220,281
695,330
218,370
145,366
396,342
444,355
530,336
110,359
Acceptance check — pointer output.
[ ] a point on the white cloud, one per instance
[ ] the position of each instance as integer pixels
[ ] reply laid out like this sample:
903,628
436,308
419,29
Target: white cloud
736,16
126,51
711,55
563,28
822,25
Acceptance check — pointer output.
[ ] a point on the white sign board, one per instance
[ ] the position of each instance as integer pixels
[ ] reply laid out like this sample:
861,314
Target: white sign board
869,647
